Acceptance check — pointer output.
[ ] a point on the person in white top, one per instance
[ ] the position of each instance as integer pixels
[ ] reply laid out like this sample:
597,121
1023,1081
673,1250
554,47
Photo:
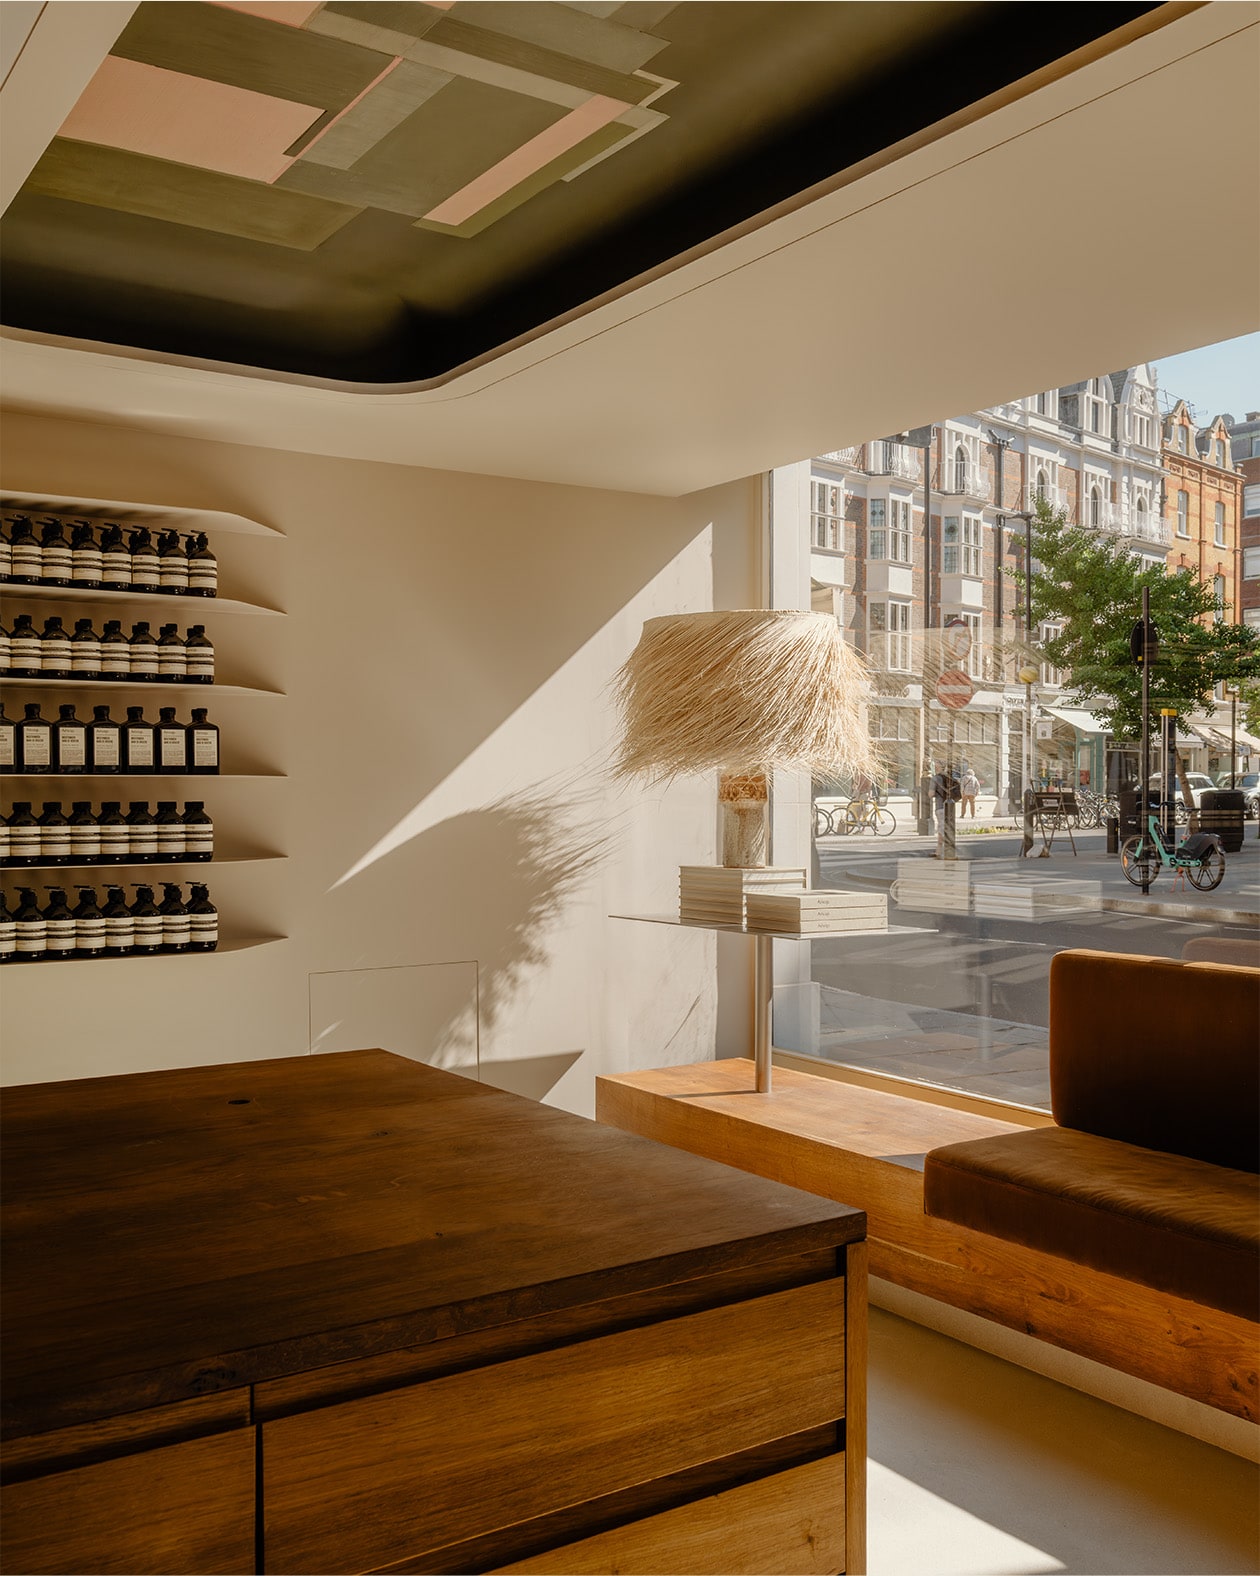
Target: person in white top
970,788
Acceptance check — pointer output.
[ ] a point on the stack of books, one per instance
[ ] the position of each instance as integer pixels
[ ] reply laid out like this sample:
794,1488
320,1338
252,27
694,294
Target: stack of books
933,886
715,894
816,912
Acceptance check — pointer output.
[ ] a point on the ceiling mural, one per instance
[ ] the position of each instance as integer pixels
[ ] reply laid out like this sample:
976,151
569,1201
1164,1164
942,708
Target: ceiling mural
382,191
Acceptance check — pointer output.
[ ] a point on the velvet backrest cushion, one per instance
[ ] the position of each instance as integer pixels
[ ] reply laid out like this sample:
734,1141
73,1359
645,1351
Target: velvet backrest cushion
1158,1053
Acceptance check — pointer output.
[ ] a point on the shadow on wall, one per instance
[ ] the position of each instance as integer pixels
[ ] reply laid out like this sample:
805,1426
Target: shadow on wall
513,872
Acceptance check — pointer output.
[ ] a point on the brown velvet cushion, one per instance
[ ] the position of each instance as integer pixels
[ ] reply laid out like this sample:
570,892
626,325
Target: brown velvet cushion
1177,1224
1157,1053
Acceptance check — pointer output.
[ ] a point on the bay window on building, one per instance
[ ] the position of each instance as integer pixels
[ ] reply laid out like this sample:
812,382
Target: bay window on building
961,545
888,530
889,636
827,514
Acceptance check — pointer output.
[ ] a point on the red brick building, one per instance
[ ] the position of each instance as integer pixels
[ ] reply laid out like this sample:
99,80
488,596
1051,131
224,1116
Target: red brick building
1203,503
1245,446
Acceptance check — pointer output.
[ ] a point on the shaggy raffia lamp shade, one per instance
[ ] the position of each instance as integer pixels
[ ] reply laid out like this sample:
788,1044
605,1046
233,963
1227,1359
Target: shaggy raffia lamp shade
743,691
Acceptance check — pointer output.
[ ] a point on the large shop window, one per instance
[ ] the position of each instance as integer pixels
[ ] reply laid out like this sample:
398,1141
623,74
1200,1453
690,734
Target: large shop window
954,996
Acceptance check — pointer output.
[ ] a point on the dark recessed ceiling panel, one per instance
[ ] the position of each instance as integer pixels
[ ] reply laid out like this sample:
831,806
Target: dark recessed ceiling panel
384,192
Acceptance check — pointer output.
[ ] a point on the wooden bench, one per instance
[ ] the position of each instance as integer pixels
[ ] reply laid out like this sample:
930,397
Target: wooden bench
867,1147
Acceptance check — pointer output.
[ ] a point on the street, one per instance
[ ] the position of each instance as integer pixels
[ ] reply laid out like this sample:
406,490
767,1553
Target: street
957,994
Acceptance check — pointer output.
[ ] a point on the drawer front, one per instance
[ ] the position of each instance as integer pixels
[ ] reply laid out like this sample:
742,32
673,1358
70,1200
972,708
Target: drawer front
791,1524
183,1508
370,1482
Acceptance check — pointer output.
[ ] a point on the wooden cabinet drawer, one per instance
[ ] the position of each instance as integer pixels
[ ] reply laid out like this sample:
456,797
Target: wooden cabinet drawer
789,1524
182,1508
369,1482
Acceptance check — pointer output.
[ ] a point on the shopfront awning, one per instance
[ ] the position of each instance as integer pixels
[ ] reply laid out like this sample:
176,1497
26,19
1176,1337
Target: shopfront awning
1082,721
1209,735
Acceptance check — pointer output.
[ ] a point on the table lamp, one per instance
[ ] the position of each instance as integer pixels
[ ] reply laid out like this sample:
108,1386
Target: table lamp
743,691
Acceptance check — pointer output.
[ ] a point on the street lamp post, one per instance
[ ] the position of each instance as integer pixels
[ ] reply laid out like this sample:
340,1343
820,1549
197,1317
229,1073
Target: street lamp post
1232,691
1027,673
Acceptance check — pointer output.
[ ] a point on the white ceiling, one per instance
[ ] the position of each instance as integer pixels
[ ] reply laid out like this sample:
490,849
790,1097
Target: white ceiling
1110,217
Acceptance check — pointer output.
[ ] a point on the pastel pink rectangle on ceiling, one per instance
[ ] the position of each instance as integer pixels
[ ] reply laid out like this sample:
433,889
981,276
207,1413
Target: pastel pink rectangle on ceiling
296,13
188,120
529,157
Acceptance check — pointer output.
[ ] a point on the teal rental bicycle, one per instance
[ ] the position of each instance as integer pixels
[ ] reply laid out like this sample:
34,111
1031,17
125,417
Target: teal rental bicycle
1200,857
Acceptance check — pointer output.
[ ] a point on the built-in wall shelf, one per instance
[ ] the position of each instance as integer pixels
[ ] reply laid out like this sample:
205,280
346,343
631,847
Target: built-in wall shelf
161,687
227,944
141,777
10,590
112,511
103,870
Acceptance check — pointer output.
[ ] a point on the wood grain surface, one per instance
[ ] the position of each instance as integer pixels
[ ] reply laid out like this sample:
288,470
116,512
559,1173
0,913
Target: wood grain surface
860,1145
186,1508
792,1522
351,1487
229,1225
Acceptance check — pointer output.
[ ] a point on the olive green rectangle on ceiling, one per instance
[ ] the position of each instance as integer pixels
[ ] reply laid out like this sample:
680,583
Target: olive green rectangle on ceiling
598,142
485,45
462,131
103,177
563,29
400,16
384,109
250,52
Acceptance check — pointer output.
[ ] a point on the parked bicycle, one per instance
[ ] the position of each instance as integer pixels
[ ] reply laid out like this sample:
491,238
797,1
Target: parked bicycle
1200,857
863,814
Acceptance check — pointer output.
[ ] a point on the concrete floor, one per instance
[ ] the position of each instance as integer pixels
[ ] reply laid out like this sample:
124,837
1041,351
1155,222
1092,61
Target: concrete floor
980,1468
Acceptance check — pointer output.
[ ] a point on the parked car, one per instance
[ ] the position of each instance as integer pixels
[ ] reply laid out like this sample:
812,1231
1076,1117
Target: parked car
1249,785
1199,783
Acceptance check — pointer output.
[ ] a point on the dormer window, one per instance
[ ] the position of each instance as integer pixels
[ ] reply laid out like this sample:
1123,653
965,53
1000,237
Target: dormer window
1183,440
1096,406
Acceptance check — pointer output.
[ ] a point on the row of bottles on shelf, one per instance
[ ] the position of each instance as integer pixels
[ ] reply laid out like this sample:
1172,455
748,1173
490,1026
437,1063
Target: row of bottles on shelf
56,552
53,653
71,745
30,934
106,836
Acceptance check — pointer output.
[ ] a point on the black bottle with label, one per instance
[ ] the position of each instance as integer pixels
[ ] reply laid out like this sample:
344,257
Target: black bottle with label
115,560
6,846
26,555
34,740
144,561
141,834
104,742
29,928
172,744
203,921
115,651
171,838
85,834
198,831
203,745
176,920
54,835
203,568
55,554
26,650
115,833
54,650
199,656
24,842
85,650
89,925
147,923
172,563
6,650
58,925
143,653
6,551
120,928
86,564
139,743
70,742
8,932
8,743
172,655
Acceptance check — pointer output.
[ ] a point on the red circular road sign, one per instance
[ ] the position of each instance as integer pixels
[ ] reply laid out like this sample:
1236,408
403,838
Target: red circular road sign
954,689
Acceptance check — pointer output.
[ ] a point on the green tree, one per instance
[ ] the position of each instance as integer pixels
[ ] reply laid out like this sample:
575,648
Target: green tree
1094,592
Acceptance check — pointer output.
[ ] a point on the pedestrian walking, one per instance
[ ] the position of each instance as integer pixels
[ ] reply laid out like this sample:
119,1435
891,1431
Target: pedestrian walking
946,792
970,788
